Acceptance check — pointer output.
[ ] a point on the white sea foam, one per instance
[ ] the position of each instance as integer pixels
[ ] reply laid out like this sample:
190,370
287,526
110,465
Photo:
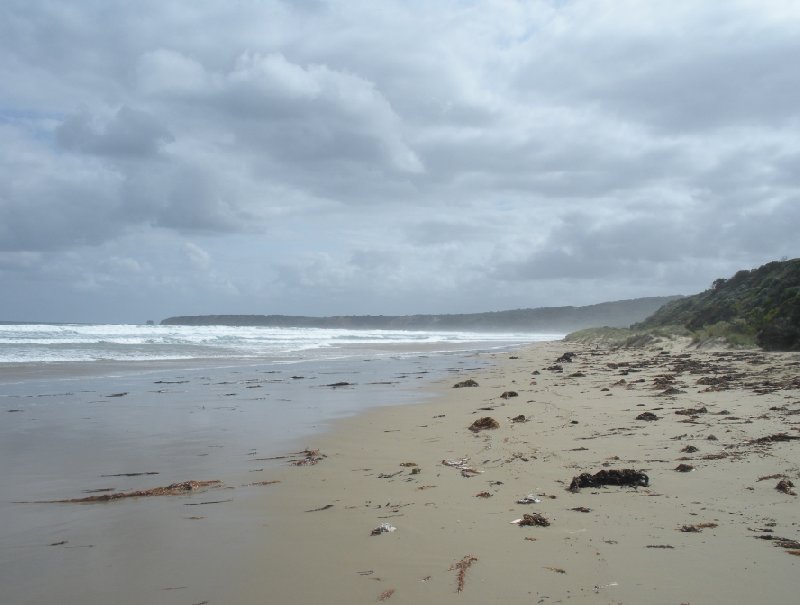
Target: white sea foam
94,342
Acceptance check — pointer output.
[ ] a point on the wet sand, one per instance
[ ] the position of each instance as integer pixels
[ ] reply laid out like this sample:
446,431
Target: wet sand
277,532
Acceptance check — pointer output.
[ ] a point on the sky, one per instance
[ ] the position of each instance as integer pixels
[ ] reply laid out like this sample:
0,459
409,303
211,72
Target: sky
395,157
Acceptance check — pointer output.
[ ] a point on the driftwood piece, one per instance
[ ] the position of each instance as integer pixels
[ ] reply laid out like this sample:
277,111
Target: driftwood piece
628,476
174,489
316,510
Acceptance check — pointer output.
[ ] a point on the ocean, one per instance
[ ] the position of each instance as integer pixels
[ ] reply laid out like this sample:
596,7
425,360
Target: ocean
35,343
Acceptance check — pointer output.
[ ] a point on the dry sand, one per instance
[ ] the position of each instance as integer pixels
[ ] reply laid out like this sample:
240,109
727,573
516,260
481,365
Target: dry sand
627,547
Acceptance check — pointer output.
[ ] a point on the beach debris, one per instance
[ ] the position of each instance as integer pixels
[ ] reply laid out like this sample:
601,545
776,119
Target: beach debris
684,468
692,411
566,357
316,510
386,594
520,418
254,483
208,502
689,449
408,464
776,438
336,385
309,457
531,520
117,394
669,546
529,499
697,528
383,528
775,476
624,477
785,486
461,464
509,394
792,546
465,383
598,588
555,569
61,543
712,438
174,489
462,566
582,509
669,392
132,474
487,422
483,495
649,416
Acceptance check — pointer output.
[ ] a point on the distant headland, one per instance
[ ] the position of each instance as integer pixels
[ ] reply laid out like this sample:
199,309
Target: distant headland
621,313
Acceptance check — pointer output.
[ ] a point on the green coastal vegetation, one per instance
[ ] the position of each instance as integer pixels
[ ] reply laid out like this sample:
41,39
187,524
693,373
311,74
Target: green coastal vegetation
758,307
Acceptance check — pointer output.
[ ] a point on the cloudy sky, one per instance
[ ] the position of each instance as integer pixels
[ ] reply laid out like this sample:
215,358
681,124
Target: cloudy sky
393,157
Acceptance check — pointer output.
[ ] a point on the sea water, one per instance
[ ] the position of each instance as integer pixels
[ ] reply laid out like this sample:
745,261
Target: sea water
26,343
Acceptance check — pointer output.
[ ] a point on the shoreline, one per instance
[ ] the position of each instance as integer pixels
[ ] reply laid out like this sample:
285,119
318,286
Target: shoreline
286,533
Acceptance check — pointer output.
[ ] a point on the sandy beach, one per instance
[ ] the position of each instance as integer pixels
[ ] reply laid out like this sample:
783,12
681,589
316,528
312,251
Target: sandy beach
715,432
688,537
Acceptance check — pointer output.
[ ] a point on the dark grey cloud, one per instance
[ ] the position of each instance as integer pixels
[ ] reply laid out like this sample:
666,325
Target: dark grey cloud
391,157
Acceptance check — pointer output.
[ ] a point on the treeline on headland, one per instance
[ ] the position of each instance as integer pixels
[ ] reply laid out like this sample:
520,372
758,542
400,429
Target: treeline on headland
760,306
621,313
